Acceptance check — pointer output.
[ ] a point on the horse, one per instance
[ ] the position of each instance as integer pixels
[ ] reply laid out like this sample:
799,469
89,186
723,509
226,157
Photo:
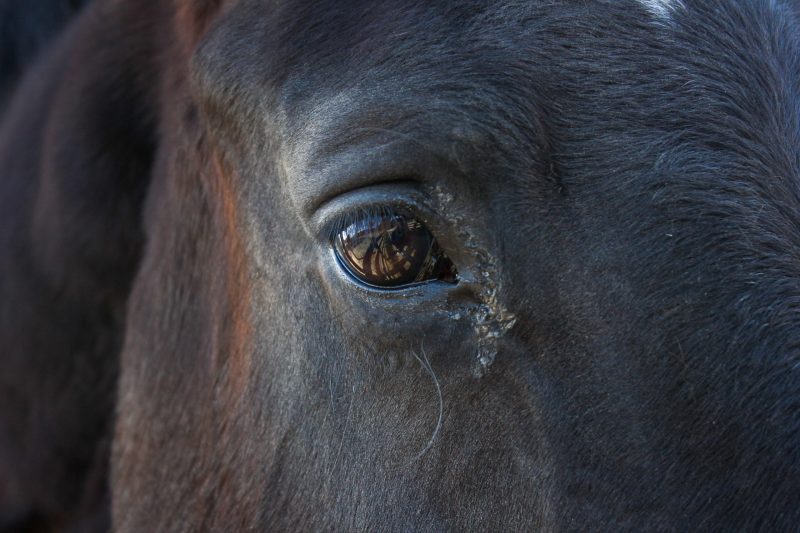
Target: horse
401,265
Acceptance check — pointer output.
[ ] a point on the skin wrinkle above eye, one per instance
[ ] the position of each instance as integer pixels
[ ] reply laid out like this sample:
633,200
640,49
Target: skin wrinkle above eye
366,164
352,138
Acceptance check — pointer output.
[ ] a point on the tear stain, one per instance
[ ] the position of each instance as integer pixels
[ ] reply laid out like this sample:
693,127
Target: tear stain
490,318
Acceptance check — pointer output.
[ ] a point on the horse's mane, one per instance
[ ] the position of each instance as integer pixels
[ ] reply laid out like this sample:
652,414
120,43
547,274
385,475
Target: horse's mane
25,28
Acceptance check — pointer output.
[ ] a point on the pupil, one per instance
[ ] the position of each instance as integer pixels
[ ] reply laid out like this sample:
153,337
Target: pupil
391,251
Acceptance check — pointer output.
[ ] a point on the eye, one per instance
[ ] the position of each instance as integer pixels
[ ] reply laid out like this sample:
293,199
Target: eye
391,250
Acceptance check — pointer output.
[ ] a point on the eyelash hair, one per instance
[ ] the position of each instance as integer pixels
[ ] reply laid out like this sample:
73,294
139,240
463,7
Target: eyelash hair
344,220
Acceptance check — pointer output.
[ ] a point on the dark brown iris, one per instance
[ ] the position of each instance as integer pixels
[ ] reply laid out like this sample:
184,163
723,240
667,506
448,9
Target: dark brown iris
392,250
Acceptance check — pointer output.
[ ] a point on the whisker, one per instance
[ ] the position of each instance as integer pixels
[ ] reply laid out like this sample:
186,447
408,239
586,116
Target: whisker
427,366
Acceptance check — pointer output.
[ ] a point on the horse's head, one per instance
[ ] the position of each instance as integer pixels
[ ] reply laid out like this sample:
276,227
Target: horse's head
467,265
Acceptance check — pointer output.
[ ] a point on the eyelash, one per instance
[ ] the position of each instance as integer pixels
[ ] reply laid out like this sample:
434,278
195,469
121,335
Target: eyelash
341,221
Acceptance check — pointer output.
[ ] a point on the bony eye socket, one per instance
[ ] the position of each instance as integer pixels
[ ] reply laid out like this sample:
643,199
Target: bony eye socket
391,251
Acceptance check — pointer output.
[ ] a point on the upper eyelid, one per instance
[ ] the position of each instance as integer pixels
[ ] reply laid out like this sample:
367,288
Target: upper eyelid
391,197
394,188
341,221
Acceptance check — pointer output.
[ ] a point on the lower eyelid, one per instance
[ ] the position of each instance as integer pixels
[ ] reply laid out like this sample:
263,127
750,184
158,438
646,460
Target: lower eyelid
341,272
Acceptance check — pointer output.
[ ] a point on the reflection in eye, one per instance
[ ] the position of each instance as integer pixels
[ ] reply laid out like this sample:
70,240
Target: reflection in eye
390,250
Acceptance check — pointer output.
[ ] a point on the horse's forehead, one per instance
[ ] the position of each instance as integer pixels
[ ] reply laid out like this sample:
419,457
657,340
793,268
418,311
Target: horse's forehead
308,50
314,65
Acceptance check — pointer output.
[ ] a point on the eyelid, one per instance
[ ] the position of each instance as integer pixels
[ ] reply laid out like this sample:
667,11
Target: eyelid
352,278
413,290
403,197
343,220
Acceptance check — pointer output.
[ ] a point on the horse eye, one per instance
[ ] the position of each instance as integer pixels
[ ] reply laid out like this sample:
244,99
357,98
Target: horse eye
391,251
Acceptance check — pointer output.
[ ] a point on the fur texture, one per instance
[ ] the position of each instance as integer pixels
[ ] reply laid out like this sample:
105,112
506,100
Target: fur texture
627,190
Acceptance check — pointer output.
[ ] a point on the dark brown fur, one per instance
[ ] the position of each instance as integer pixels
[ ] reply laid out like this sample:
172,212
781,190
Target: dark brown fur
178,352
